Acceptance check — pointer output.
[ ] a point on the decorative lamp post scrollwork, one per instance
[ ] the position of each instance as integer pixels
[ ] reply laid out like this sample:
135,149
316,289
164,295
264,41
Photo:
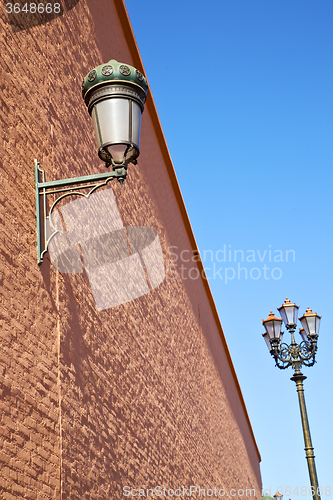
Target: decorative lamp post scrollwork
115,94
296,355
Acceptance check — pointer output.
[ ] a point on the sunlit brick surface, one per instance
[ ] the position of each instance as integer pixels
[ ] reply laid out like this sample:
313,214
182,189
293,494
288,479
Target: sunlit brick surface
142,394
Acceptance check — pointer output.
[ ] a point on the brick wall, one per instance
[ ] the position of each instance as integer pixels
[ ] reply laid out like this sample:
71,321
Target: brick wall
142,394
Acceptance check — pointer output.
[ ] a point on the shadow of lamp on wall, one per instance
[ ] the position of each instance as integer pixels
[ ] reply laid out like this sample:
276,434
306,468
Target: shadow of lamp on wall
296,355
115,94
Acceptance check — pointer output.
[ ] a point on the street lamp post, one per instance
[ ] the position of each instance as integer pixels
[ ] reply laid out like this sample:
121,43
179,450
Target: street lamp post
296,355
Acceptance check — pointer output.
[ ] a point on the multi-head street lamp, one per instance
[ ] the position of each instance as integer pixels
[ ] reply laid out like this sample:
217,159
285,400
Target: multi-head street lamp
296,355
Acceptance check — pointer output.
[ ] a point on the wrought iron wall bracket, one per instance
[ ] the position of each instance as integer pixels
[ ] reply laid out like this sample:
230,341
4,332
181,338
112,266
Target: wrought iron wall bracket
67,187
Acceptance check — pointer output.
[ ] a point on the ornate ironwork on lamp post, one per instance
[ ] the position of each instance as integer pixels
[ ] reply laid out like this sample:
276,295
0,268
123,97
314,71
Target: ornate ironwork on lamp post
296,355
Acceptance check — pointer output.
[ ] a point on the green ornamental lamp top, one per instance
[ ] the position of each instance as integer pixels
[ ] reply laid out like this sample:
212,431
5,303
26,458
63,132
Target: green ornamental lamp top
267,497
113,71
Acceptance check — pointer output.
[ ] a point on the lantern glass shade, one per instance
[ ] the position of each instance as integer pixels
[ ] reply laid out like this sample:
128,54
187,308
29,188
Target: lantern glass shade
310,322
267,340
117,124
303,334
118,152
272,326
289,312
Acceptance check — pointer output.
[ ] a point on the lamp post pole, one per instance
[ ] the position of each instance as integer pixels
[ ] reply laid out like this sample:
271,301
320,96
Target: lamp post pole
309,450
296,355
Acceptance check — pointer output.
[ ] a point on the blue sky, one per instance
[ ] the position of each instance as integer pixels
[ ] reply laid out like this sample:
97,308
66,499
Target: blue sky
243,89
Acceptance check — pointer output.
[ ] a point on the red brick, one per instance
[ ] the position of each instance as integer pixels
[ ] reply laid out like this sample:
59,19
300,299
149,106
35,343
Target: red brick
30,471
30,400
43,453
4,432
30,423
37,461
4,483
4,458
54,482
8,422
36,438
8,496
19,490
24,455
13,474
30,445
5,407
23,429
54,459
30,494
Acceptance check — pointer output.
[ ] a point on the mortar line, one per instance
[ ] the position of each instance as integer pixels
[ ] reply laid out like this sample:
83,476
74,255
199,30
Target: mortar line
204,364
59,386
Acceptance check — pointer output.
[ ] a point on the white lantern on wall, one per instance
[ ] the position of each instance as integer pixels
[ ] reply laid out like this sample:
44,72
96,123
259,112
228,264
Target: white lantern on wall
115,94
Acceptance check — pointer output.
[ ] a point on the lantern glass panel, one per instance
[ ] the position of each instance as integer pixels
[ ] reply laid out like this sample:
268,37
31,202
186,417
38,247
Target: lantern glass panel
283,314
111,121
117,152
117,124
289,313
136,123
269,328
273,328
311,324
311,320
303,334
277,329
304,323
295,314
266,338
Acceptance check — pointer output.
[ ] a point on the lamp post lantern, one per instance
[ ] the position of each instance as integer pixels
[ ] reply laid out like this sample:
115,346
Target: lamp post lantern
296,355
115,94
